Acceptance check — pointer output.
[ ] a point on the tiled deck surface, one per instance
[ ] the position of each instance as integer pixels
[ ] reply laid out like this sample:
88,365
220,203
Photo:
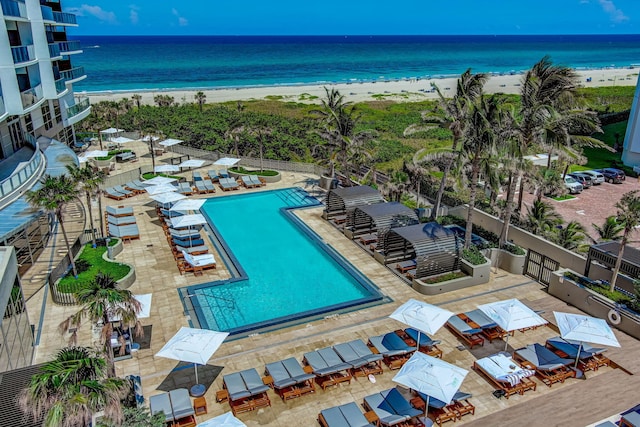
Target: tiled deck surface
574,403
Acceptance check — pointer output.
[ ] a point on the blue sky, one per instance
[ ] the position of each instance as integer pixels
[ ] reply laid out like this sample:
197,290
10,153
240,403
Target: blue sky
354,17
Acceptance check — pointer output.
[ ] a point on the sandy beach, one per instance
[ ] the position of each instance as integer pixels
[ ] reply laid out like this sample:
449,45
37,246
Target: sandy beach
408,90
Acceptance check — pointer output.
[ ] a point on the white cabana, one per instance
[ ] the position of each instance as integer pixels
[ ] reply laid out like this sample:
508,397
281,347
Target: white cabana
166,168
192,163
169,142
159,180
226,161
164,188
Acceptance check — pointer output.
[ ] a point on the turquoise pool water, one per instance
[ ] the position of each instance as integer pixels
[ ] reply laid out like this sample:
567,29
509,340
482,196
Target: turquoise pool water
286,272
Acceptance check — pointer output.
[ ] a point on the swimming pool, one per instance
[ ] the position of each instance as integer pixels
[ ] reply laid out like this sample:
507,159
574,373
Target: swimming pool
285,272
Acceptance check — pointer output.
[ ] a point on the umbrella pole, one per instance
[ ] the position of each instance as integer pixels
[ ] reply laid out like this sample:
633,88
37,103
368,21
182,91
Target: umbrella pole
418,343
195,367
506,342
578,355
426,410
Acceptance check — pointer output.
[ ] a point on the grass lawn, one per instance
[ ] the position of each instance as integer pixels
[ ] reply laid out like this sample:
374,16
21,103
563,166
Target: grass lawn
150,175
93,256
599,158
563,197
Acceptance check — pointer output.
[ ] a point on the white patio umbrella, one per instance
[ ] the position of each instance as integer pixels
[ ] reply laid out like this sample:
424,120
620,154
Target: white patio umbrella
192,163
225,420
582,328
96,153
188,221
170,142
166,168
150,138
512,314
159,180
121,140
193,345
226,161
163,188
431,376
188,205
111,131
164,198
423,317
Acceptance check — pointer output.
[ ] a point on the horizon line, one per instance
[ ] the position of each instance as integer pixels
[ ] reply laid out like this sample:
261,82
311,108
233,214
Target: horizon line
358,35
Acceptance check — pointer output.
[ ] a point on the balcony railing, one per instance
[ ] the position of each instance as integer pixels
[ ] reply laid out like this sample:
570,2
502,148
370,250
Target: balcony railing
22,54
69,46
31,96
54,50
14,8
47,13
64,18
22,174
78,108
60,86
72,74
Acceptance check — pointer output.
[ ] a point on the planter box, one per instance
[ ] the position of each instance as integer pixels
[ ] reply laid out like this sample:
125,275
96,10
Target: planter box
591,302
507,261
116,249
268,179
476,275
127,280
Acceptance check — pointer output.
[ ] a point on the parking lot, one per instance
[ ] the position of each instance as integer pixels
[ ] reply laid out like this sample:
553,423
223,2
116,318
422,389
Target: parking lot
593,205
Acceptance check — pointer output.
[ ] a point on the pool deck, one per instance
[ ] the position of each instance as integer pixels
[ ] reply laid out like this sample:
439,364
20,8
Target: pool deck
573,403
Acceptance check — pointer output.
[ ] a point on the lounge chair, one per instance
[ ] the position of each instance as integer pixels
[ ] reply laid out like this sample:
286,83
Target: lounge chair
119,210
441,411
161,403
391,407
395,352
136,187
184,233
121,189
125,232
197,176
200,187
194,250
590,358
246,181
121,220
369,238
209,186
222,173
405,266
549,367
247,391
363,362
113,194
289,379
196,263
228,184
328,367
505,374
182,408
257,181
168,214
348,415
185,188
427,344
213,175
465,332
490,329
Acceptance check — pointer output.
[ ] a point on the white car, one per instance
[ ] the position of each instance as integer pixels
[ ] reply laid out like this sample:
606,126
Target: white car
596,177
572,185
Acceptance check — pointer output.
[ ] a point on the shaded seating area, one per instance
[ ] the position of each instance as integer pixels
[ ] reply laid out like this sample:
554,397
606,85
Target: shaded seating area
347,415
378,218
176,406
505,374
590,358
442,412
362,360
391,407
549,367
289,379
479,320
328,367
427,344
435,249
341,201
395,352
246,391
465,332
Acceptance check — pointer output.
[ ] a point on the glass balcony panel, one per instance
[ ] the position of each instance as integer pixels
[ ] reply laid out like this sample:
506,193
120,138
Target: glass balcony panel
73,73
69,46
47,13
78,107
31,96
54,50
60,86
18,178
13,8
21,54
64,18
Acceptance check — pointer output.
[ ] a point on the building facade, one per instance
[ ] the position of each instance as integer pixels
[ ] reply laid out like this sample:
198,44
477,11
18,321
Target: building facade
631,150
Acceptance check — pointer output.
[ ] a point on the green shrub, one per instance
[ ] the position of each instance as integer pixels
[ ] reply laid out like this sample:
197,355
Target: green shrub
243,171
473,255
93,257
443,277
513,249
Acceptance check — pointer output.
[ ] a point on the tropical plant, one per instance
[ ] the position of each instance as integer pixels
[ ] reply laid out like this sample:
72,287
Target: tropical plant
546,181
571,236
396,186
416,174
101,301
53,195
137,98
69,389
629,217
201,98
541,218
609,230
88,181
163,100
136,417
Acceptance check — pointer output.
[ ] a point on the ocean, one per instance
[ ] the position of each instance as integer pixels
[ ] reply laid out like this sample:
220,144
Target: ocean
136,63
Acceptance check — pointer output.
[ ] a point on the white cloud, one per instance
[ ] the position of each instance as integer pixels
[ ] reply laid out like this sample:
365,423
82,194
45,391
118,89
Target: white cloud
133,14
96,12
182,21
614,13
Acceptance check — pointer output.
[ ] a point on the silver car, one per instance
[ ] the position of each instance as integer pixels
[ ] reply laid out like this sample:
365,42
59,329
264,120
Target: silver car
572,185
596,177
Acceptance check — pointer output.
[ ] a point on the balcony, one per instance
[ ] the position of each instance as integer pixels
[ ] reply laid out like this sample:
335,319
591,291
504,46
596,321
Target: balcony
14,8
80,106
65,18
31,96
22,54
54,50
73,74
24,174
69,46
60,86
47,13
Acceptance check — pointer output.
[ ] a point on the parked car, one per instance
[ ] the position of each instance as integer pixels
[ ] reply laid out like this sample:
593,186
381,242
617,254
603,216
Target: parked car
596,176
572,185
582,178
612,175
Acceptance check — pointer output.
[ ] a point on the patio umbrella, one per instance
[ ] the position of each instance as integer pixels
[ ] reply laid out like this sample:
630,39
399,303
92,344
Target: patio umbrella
165,198
163,188
188,205
170,142
421,316
166,168
511,315
431,376
582,328
150,138
96,153
192,163
187,221
121,140
226,161
159,180
111,131
225,420
194,346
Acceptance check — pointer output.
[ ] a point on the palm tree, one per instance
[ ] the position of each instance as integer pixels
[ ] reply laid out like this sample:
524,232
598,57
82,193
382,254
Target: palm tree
72,387
200,99
546,181
610,229
53,195
629,217
88,181
571,236
137,98
541,218
101,301
416,175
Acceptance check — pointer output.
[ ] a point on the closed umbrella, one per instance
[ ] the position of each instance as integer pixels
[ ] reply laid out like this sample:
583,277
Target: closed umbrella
423,317
194,346
512,314
582,328
431,376
225,420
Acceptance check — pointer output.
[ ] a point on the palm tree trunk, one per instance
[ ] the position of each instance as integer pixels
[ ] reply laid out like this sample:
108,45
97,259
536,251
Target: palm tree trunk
66,242
100,212
520,194
93,228
472,202
418,195
111,365
443,183
506,221
616,267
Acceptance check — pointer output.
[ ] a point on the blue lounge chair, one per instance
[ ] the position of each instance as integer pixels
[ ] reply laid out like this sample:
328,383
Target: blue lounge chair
169,214
399,404
119,210
395,352
125,232
181,403
383,409
135,186
213,175
590,357
184,233
193,250
121,220
161,403
363,362
228,184
549,367
122,190
209,186
463,330
246,181
347,415
405,266
112,193
289,380
222,173
189,243
200,187
427,344
490,329
328,367
256,181
185,188
197,176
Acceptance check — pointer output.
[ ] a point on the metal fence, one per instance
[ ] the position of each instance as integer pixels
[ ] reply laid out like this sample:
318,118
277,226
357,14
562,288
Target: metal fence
63,267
